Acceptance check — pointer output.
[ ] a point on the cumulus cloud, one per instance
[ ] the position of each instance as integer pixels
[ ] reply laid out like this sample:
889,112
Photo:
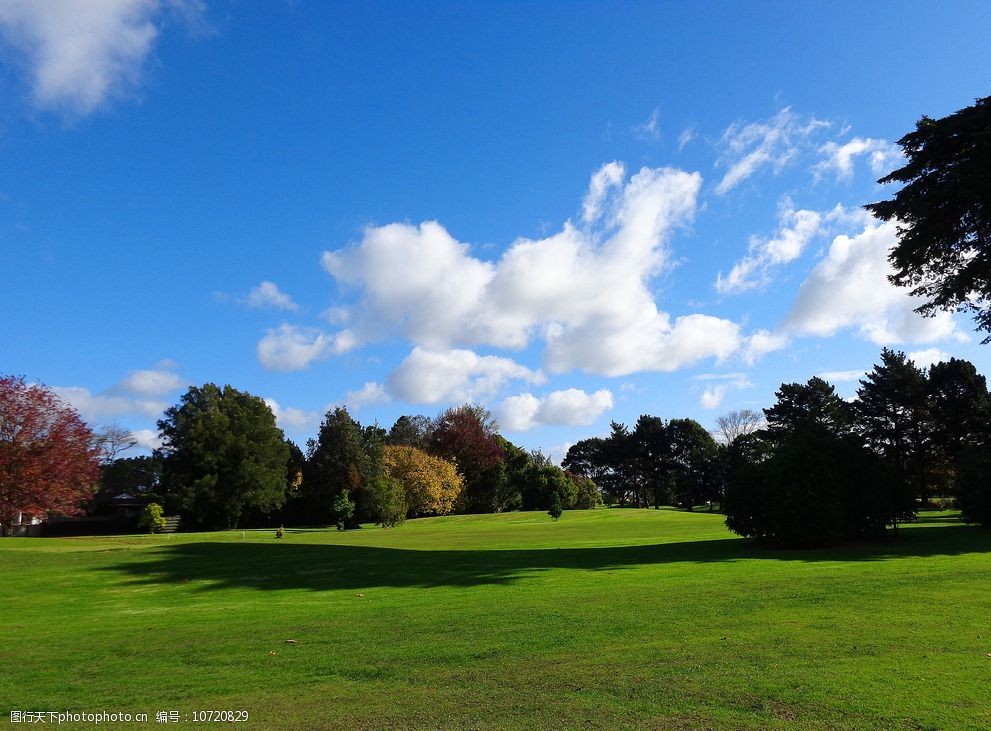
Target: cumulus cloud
268,295
147,439
842,376
370,393
106,406
849,288
746,148
838,159
292,419
435,376
928,357
605,178
583,291
569,407
140,393
760,343
149,383
293,348
795,229
81,53
719,385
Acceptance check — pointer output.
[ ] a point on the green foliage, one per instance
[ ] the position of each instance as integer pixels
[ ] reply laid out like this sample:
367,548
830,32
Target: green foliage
223,456
153,518
345,457
411,431
545,485
556,509
810,404
944,213
973,485
386,501
343,510
587,495
894,418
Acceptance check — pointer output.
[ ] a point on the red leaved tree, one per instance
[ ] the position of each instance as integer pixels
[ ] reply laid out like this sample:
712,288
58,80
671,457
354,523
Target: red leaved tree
49,462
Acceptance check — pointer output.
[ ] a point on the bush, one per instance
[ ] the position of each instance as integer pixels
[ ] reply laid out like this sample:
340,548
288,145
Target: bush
153,518
386,501
556,509
812,488
280,532
343,509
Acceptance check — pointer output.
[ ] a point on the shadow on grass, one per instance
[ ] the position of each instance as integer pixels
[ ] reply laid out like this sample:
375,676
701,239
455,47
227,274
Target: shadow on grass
316,567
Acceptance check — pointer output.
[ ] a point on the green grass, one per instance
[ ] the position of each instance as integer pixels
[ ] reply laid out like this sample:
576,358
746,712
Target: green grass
605,619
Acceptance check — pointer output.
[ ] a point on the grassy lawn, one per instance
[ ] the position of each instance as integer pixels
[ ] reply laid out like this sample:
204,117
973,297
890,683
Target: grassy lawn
606,619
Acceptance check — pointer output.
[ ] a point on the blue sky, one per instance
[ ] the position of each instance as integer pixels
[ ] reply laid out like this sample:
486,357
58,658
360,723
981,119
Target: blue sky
569,212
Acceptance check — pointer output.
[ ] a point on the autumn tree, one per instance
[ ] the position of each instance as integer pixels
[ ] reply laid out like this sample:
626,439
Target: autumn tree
49,462
432,485
223,456
468,436
943,210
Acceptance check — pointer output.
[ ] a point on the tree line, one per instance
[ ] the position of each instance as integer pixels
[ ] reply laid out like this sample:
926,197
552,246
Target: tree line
815,469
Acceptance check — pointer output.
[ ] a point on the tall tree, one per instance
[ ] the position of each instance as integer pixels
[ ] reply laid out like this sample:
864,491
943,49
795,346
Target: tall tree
961,407
944,213
48,460
468,436
344,459
112,440
694,462
223,456
808,404
894,419
411,431
737,424
652,458
432,485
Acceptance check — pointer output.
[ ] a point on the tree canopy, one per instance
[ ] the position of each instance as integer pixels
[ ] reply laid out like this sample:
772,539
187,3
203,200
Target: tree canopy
944,213
49,460
223,455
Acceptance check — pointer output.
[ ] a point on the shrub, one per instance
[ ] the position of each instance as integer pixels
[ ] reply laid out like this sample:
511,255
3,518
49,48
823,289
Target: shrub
343,508
556,509
153,518
280,532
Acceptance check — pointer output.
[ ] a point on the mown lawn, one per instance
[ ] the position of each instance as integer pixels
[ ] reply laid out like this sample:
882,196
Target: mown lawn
606,619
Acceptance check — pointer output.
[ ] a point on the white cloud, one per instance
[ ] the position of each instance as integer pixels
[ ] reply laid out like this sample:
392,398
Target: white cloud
147,438
928,357
760,343
607,177
268,295
149,383
293,348
842,376
882,156
686,136
570,407
95,408
720,384
746,148
796,229
81,53
435,376
583,291
370,393
849,288
292,419
651,129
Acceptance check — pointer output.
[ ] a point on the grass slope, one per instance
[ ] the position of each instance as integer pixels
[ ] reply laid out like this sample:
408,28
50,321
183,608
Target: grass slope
606,619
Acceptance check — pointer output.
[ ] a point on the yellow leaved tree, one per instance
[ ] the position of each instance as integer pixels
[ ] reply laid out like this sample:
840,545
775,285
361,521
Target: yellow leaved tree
432,484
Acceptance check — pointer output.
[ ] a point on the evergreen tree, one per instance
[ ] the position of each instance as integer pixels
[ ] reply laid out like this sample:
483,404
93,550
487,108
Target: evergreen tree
223,456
